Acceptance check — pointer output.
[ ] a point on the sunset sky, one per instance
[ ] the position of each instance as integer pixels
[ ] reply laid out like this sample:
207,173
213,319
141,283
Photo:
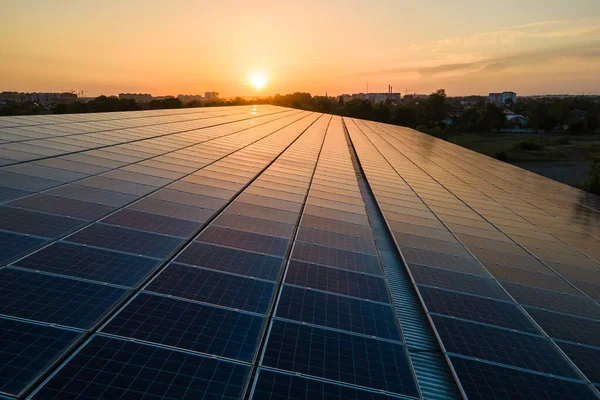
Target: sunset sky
187,47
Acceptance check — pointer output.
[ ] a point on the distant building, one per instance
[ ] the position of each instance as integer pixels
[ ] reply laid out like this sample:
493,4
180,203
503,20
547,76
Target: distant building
468,101
43,98
162,97
500,99
374,97
211,95
138,97
186,98
346,97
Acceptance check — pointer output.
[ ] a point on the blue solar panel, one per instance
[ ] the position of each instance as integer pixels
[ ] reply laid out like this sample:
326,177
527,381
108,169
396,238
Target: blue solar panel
257,225
340,357
128,240
62,206
27,350
36,223
486,381
332,239
152,223
456,281
9,193
586,358
53,299
110,368
556,301
476,308
213,287
502,346
566,327
90,263
14,244
231,260
349,260
281,386
337,281
245,240
345,313
334,225
189,326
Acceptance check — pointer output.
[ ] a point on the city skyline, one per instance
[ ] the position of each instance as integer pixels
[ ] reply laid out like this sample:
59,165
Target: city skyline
188,47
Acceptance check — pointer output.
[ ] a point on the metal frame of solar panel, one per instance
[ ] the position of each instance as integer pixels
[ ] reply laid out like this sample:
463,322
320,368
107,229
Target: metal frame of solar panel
231,252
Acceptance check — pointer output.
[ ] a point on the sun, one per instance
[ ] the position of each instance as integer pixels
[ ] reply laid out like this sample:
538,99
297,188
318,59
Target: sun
258,79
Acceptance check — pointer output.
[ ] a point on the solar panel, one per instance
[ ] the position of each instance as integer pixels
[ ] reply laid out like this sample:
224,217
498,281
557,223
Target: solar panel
27,350
188,326
488,381
131,241
277,385
263,252
213,287
340,357
124,368
54,299
236,261
90,263
338,312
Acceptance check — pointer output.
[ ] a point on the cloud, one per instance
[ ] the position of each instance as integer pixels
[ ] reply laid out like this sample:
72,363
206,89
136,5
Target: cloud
588,51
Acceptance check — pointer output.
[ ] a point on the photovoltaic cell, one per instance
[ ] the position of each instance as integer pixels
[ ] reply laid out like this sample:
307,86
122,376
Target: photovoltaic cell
62,206
476,309
231,260
345,313
340,357
586,358
55,300
8,193
244,240
567,327
576,305
457,281
113,368
188,326
349,260
27,350
171,209
213,287
36,223
337,281
486,381
127,240
90,263
445,261
332,239
502,346
256,225
13,244
332,225
280,386
152,223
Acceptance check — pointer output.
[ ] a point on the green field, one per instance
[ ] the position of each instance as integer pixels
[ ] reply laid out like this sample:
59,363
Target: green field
565,158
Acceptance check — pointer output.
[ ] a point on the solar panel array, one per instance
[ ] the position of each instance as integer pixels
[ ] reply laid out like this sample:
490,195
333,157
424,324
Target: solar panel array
228,253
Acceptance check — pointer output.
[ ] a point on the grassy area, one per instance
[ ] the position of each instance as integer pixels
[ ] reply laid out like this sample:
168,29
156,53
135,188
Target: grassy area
564,158
530,147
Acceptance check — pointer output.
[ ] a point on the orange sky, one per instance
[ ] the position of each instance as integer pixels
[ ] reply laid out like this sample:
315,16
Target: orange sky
335,46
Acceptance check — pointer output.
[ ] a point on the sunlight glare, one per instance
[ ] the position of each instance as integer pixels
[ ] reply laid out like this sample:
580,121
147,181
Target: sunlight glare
257,79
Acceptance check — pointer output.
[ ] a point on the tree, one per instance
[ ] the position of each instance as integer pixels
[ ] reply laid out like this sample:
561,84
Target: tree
493,117
171,102
435,110
469,121
405,116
